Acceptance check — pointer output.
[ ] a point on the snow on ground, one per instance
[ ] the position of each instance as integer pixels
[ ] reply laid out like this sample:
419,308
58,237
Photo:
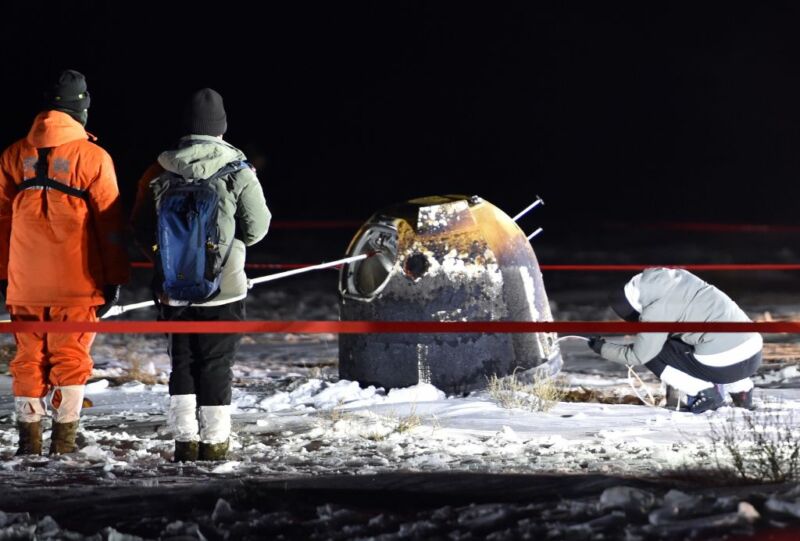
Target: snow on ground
302,420
294,419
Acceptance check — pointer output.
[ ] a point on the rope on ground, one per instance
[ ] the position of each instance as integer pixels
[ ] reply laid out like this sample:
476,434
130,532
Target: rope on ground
631,375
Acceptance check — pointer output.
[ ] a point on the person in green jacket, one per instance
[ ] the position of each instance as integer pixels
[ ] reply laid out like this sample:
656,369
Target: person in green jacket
201,377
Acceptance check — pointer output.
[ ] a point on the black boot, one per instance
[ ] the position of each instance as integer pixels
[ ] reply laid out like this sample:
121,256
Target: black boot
743,399
186,451
673,398
30,438
62,440
705,400
214,451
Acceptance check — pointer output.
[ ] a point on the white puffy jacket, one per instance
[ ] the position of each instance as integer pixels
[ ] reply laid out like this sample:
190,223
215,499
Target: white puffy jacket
676,295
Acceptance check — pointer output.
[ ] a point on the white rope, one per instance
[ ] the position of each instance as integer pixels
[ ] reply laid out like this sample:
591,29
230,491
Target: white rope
121,309
571,336
632,374
279,275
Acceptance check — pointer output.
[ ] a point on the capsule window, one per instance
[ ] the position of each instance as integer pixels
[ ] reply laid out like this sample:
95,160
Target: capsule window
416,265
368,277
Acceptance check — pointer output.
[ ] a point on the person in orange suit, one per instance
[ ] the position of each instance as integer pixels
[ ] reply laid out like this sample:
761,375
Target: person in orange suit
62,258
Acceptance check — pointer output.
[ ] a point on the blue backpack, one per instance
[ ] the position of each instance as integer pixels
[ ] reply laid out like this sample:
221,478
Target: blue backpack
188,256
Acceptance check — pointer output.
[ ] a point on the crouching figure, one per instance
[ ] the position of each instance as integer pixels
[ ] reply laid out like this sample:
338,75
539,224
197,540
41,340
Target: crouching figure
703,365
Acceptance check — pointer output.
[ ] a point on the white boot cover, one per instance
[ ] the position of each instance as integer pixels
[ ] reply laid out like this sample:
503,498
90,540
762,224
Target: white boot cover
29,409
743,385
69,410
683,381
215,422
182,417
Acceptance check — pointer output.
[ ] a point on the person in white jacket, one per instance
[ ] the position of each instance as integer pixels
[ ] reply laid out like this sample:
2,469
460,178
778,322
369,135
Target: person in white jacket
702,365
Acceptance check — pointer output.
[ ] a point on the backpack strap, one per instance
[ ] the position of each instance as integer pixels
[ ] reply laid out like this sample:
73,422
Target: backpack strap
226,256
229,168
41,180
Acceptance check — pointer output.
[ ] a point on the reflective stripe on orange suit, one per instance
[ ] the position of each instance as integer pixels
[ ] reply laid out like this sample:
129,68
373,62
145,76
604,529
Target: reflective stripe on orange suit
57,251
52,359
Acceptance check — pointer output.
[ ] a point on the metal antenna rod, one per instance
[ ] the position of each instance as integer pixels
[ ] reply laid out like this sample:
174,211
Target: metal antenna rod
535,233
117,310
529,208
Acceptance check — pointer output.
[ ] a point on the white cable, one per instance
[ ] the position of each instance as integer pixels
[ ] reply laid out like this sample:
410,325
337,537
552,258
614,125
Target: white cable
279,275
121,309
571,336
632,374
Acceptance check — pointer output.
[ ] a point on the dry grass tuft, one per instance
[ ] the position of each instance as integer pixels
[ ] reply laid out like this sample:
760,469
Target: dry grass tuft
762,446
582,394
408,422
135,372
7,353
540,395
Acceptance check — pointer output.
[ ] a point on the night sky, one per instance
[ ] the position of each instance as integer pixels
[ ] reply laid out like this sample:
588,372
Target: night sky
609,113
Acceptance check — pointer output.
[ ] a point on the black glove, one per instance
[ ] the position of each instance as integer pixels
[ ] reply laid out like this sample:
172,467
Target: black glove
4,289
111,296
596,343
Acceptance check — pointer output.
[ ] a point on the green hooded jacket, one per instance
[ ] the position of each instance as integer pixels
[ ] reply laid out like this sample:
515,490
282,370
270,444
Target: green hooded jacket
243,214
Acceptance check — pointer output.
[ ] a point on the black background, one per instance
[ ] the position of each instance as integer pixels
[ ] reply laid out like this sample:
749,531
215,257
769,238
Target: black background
609,112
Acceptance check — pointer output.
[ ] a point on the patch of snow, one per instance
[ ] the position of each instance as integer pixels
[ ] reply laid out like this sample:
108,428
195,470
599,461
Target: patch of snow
98,386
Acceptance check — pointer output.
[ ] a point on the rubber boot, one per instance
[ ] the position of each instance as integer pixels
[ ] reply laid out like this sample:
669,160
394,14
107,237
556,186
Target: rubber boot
186,451
215,430
62,440
705,400
30,438
673,398
214,451
741,393
182,417
743,399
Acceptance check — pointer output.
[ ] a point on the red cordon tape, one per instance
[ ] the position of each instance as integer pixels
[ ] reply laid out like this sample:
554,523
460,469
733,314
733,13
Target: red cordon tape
705,227
392,327
721,228
694,267
265,266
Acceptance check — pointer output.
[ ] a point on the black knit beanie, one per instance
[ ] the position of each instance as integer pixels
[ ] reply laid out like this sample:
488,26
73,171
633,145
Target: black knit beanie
621,305
205,114
69,95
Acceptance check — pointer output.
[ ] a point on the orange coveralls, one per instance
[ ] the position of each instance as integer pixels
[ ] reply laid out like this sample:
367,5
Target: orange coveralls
57,251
